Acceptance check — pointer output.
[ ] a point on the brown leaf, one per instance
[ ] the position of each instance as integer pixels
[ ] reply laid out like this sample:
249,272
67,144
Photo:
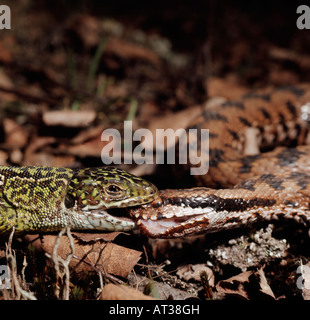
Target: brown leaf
162,290
284,54
89,237
34,154
192,272
110,257
15,135
88,143
16,156
47,159
92,147
165,291
172,121
144,169
127,50
3,158
87,134
121,292
6,83
2,254
248,285
7,45
119,260
69,118
37,143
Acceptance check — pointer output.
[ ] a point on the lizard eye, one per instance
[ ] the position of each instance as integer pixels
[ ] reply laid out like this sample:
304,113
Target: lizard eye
113,190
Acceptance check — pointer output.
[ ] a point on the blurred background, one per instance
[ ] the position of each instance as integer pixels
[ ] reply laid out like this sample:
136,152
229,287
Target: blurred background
70,69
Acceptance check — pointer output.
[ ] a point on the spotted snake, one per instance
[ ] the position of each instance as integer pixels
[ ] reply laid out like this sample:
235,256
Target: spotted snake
268,185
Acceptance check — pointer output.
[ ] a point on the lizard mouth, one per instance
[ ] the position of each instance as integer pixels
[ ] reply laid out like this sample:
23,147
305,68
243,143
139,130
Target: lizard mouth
119,214
107,220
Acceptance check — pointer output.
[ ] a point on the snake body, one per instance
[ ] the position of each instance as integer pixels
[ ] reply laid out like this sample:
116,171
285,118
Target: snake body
45,199
247,188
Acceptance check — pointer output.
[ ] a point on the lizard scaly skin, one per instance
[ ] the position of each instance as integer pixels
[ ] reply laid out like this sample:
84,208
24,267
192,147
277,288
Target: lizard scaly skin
46,199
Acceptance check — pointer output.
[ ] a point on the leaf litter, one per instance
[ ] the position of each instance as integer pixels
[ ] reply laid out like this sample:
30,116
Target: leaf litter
56,99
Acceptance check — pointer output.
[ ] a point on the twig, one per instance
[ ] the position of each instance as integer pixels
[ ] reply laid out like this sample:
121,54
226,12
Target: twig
25,264
16,291
62,276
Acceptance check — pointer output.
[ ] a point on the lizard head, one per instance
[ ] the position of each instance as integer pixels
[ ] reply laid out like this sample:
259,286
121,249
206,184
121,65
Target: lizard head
92,192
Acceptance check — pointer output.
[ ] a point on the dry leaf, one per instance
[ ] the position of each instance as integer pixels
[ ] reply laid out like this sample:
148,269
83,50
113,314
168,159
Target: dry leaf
192,272
90,237
89,143
284,54
47,159
167,292
119,260
16,156
37,143
2,254
163,248
69,118
121,292
35,156
15,135
127,50
7,45
160,289
110,257
248,285
87,134
172,121
144,170
90,148
6,83
3,158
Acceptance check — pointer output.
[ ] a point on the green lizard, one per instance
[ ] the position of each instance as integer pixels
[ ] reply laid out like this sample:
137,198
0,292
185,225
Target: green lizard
45,199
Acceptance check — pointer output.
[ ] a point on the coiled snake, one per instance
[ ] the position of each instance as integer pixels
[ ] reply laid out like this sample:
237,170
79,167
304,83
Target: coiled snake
265,186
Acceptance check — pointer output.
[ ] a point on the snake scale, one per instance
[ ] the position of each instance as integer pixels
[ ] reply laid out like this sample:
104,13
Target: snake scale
267,185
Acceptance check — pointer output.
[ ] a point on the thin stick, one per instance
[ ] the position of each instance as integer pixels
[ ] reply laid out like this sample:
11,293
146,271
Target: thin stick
17,292
62,276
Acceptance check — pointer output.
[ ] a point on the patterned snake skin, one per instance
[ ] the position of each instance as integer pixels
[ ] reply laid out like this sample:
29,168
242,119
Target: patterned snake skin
248,188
